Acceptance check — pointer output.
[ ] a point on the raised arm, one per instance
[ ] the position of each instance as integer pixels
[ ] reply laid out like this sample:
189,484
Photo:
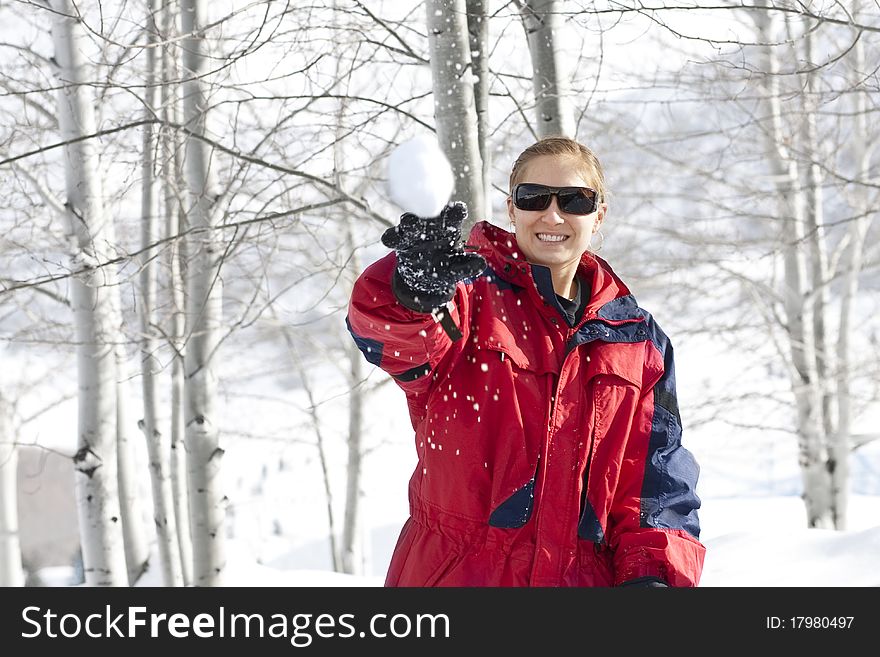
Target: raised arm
408,308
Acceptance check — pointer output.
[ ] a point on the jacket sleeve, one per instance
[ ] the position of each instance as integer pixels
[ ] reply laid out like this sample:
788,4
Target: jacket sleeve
408,345
653,526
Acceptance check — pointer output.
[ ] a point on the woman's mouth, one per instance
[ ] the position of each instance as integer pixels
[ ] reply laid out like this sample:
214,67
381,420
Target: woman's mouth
551,237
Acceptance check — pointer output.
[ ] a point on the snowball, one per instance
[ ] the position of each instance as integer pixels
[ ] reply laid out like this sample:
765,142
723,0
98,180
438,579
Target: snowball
419,176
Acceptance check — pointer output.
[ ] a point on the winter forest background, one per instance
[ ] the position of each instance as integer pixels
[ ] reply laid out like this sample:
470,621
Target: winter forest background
188,190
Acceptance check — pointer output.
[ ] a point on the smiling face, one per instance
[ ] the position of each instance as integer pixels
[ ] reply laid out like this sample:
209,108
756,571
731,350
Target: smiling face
551,237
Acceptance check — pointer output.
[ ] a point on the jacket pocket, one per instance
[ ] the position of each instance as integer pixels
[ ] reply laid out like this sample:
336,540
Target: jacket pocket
526,357
620,360
614,387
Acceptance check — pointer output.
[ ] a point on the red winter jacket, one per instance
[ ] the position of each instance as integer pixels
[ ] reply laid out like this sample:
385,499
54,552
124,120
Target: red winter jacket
547,455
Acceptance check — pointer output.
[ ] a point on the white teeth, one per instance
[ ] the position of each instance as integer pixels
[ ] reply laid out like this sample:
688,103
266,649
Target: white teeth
548,237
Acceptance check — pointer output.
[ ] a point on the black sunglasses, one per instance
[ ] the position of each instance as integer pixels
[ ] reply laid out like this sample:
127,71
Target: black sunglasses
572,200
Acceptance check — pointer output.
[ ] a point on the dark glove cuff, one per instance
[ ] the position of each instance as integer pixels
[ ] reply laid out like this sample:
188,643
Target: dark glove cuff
421,302
649,582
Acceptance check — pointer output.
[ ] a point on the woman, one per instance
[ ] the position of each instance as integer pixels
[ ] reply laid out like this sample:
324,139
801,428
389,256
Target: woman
542,396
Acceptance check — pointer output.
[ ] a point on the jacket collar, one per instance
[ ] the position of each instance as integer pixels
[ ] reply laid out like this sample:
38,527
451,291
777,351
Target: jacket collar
609,299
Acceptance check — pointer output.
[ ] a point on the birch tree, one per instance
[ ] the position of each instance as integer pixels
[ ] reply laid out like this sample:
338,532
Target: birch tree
821,386
90,233
159,447
455,111
852,265
553,111
478,30
131,512
798,310
348,548
355,378
176,256
203,314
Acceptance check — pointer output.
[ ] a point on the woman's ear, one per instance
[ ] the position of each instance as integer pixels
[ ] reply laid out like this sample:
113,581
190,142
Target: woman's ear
510,207
601,209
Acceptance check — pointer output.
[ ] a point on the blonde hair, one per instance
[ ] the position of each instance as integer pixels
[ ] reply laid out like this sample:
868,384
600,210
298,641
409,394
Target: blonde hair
586,161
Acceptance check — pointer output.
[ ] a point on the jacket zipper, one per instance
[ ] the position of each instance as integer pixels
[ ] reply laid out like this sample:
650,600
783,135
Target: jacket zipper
585,477
591,446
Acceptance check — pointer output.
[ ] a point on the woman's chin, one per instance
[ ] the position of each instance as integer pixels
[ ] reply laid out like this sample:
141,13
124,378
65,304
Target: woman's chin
549,256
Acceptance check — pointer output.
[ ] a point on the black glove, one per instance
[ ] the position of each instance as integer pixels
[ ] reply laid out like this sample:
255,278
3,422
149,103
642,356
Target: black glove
645,583
430,258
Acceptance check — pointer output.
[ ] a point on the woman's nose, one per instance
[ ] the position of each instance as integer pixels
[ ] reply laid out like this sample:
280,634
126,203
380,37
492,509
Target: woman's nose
552,214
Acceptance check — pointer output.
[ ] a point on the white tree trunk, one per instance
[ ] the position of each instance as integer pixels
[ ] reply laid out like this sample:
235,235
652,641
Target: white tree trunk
800,326
818,244
350,553
455,112
478,28
804,378
841,443
95,460
203,317
352,562
553,111
179,488
852,265
158,446
134,529
11,573
174,226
